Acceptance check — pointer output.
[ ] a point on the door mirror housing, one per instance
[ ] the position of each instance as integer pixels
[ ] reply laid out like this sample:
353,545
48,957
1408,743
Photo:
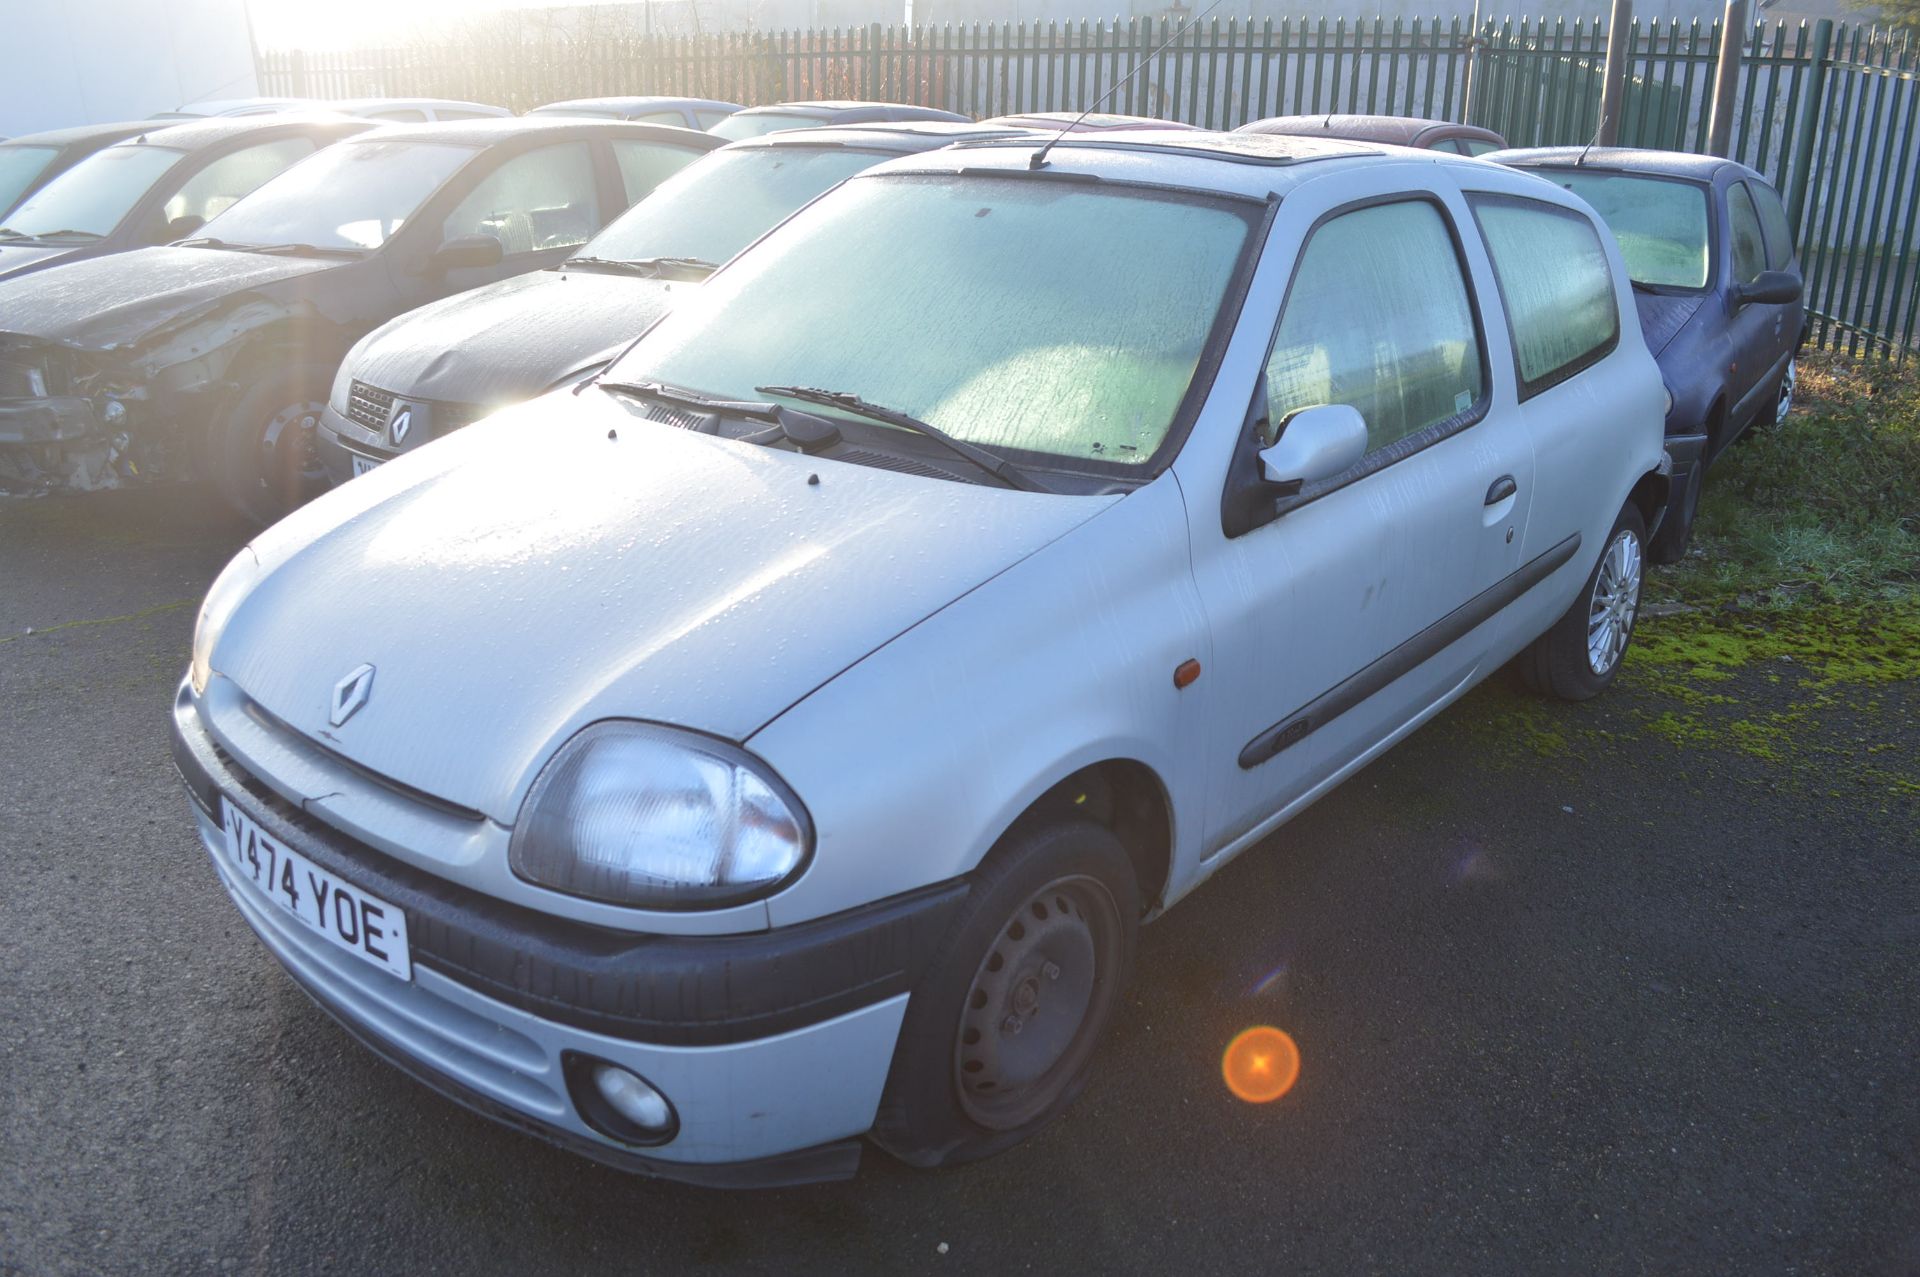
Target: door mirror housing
1315,443
466,252
1774,287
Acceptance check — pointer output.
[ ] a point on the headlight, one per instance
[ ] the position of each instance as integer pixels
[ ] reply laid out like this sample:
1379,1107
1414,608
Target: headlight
22,380
216,610
637,814
1668,391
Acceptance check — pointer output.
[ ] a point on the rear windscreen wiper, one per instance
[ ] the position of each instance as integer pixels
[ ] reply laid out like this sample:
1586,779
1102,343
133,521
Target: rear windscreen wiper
613,265
66,234
999,467
699,265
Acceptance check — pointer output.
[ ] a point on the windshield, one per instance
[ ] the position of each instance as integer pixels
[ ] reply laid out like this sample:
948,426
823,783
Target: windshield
745,124
1660,223
723,203
353,195
19,165
93,196
982,305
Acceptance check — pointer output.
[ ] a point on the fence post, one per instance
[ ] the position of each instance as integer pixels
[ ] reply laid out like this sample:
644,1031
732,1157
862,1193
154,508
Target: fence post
297,74
1809,122
873,62
1726,78
1613,87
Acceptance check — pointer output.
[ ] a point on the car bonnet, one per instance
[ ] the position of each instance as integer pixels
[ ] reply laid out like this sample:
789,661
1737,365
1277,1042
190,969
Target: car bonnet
1663,315
509,340
568,561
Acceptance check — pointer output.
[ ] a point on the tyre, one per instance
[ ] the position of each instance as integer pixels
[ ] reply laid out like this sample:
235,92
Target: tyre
261,454
1676,530
1580,656
1000,1032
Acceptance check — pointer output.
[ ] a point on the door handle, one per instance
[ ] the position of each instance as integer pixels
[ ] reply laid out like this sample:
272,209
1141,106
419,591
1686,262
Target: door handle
1501,489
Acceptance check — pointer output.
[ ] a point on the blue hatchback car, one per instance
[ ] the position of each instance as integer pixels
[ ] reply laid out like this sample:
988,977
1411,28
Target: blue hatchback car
1718,286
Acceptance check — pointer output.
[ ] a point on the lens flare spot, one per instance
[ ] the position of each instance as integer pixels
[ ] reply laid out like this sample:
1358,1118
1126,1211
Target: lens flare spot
1261,1064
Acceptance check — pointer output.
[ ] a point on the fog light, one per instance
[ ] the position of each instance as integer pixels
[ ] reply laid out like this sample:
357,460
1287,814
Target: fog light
618,1102
632,1099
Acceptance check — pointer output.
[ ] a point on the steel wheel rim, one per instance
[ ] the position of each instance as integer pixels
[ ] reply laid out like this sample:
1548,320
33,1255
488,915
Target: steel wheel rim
287,445
1614,603
1787,380
1029,1019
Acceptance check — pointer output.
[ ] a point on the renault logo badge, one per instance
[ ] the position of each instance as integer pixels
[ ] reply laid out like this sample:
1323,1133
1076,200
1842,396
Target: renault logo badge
350,693
400,427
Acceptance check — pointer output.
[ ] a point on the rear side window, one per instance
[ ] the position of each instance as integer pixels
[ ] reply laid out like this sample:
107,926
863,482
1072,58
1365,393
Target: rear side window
710,118
1563,319
536,201
1773,220
1474,146
1749,248
644,165
1378,317
660,117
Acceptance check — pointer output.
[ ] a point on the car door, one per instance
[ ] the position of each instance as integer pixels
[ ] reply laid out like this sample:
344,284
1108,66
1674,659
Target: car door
1752,327
540,203
1335,622
1560,323
1788,318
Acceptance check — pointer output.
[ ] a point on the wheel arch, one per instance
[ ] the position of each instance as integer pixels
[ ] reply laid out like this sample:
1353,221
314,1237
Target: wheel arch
1129,799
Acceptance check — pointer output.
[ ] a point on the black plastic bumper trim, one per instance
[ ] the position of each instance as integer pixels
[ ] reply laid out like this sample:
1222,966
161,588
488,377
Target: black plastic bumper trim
669,990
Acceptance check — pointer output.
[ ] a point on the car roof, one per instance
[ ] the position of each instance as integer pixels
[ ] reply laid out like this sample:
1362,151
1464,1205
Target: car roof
1624,159
193,135
824,107
636,104
354,105
1093,122
1249,164
1395,130
908,137
497,129
100,133
217,106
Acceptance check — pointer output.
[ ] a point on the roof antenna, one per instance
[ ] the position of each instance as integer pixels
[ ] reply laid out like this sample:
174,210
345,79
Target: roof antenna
1039,157
1590,144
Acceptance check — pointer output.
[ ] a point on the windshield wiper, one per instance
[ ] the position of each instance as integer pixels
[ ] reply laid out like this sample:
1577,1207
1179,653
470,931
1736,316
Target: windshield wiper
294,250
750,409
44,236
693,265
613,265
7,232
998,467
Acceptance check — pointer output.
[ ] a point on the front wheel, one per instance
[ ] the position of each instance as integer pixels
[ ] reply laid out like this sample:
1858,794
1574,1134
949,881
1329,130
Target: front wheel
263,454
1580,656
999,1035
1788,379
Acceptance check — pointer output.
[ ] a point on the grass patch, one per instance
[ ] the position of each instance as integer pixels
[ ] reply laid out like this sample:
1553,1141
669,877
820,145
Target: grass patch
1823,509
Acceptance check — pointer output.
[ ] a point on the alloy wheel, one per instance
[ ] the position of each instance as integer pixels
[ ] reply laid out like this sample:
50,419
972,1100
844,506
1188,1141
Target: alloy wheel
1615,602
1785,403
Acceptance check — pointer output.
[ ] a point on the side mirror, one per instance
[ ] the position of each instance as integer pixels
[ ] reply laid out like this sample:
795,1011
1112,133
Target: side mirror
1314,444
1774,287
466,252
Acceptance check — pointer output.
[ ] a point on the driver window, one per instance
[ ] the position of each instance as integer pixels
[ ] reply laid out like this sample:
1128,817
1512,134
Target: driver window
221,184
1378,317
1749,250
543,199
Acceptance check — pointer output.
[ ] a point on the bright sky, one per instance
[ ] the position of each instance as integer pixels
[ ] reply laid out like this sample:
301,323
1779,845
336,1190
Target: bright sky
332,24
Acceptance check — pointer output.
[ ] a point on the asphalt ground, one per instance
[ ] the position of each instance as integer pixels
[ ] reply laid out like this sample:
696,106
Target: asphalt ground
1575,989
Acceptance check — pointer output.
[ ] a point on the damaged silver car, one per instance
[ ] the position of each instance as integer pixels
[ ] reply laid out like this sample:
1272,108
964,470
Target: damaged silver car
213,355
451,362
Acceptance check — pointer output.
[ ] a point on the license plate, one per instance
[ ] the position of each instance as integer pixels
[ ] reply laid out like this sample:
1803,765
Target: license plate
361,465
366,926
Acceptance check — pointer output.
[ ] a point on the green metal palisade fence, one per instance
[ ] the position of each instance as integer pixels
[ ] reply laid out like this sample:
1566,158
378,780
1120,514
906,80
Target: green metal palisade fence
1830,112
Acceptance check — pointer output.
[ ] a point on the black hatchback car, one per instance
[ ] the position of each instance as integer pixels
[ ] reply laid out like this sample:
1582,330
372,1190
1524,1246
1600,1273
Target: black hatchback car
438,368
1718,287
29,162
220,349
157,186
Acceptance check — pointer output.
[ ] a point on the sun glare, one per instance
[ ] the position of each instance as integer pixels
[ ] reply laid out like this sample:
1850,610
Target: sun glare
1261,1064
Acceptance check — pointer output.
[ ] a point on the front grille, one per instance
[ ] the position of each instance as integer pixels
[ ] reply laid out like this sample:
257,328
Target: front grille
369,406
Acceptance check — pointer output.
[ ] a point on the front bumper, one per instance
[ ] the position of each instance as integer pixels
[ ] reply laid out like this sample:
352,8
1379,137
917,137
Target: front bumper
773,1047
339,441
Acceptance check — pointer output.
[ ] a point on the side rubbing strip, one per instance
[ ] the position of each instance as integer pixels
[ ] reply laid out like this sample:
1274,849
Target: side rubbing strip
1363,683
